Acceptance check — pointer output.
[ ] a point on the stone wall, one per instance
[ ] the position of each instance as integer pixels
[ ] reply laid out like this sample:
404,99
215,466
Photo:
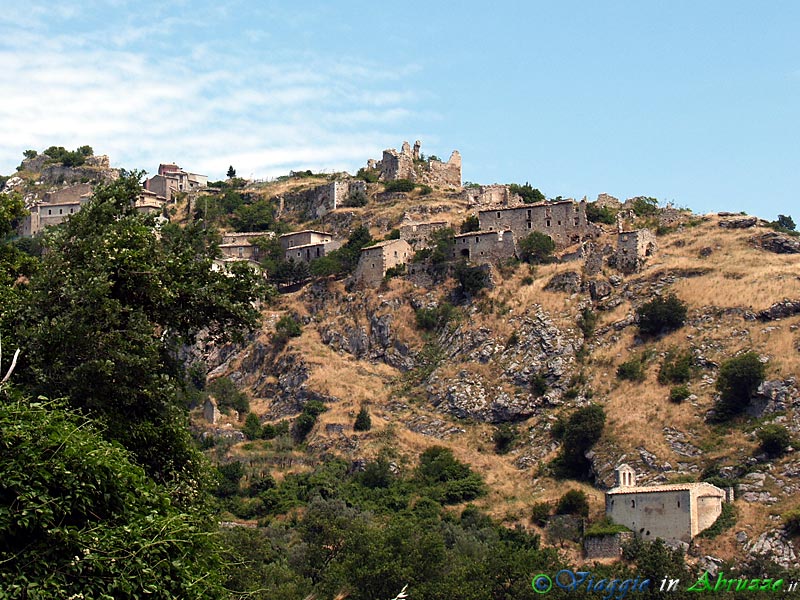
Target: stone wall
71,193
492,195
609,201
419,234
482,247
651,515
633,249
446,174
565,222
607,546
318,201
308,252
302,238
375,260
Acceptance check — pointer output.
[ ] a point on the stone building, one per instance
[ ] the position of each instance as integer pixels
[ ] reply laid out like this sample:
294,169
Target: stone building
330,196
171,179
565,222
633,249
210,410
240,246
408,164
375,260
418,235
307,245
482,247
676,511
46,214
150,203
491,195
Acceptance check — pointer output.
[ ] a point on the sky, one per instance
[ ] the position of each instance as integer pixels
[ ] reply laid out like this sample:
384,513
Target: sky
694,103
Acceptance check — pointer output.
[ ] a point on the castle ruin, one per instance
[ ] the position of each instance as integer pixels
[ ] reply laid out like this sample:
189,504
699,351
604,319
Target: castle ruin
408,164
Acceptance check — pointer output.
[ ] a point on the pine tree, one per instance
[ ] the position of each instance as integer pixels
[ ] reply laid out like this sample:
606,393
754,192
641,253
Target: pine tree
363,420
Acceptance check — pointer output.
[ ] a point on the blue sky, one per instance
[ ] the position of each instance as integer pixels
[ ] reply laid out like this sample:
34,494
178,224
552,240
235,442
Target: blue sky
690,102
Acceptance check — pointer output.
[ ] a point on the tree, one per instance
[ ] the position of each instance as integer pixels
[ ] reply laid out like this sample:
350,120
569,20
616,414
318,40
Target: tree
363,420
470,224
786,222
775,439
661,315
536,247
645,206
600,214
528,193
231,172
78,518
252,427
573,502
581,431
30,154
109,308
737,381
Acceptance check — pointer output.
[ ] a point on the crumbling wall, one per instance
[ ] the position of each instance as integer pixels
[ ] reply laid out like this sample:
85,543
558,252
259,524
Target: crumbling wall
419,235
607,546
407,164
71,193
492,195
375,260
633,249
482,247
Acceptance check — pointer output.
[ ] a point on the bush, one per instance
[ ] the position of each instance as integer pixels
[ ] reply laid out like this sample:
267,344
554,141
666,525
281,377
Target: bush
604,527
775,439
631,370
574,502
355,199
587,321
470,224
228,396
429,319
536,248
540,513
399,185
394,234
471,279
368,175
791,521
528,193
738,379
581,431
600,214
786,222
252,427
725,520
676,368
679,393
287,327
504,437
363,420
661,315
645,207
538,384
395,271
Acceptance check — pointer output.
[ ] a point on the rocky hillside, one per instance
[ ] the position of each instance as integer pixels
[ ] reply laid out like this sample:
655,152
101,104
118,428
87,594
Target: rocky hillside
525,352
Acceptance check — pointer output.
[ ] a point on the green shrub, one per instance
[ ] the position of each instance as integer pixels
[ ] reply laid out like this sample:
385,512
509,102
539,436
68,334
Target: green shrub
661,315
791,521
527,280
363,420
679,393
603,527
355,199
536,248
287,327
430,319
471,279
540,513
676,368
424,190
538,383
587,321
470,224
725,520
573,502
528,193
600,214
645,207
368,175
394,234
579,432
399,185
737,381
504,438
631,370
228,396
775,439
395,271
252,427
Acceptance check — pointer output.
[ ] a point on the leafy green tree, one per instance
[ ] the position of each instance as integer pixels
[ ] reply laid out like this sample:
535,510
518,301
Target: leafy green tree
252,427
30,154
536,248
228,395
581,431
775,439
661,315
287,327
363,420
600,214
443,242
231,172
471,280
573,502
105,315
347,256
528,193
786,222
78,518
257,216
645,206
737,381
399,185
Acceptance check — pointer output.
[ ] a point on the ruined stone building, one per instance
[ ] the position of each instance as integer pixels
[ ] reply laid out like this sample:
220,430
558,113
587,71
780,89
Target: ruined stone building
482,247
171,179
418,235
492,195
676,511
307,245
633,249
565,222
329,197
408,164
210,410
149,203
375,260
240,246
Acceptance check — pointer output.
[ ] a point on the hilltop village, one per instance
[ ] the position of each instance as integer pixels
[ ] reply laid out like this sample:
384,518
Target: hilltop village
482,318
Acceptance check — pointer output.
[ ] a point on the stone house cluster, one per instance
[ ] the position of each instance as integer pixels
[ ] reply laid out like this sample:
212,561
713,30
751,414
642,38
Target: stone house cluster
419,235
565,222
408,164
305,246
482,247
375,260
55,208
676,511
171,179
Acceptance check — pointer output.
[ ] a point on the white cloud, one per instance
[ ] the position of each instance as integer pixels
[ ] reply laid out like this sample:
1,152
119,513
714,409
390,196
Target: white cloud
202,109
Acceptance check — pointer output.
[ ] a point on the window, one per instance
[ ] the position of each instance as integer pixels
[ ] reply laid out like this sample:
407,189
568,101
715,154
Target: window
576,220
547,222
60,211
529,213
498,214
477,239
49,212
530,225
633,503
559,221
